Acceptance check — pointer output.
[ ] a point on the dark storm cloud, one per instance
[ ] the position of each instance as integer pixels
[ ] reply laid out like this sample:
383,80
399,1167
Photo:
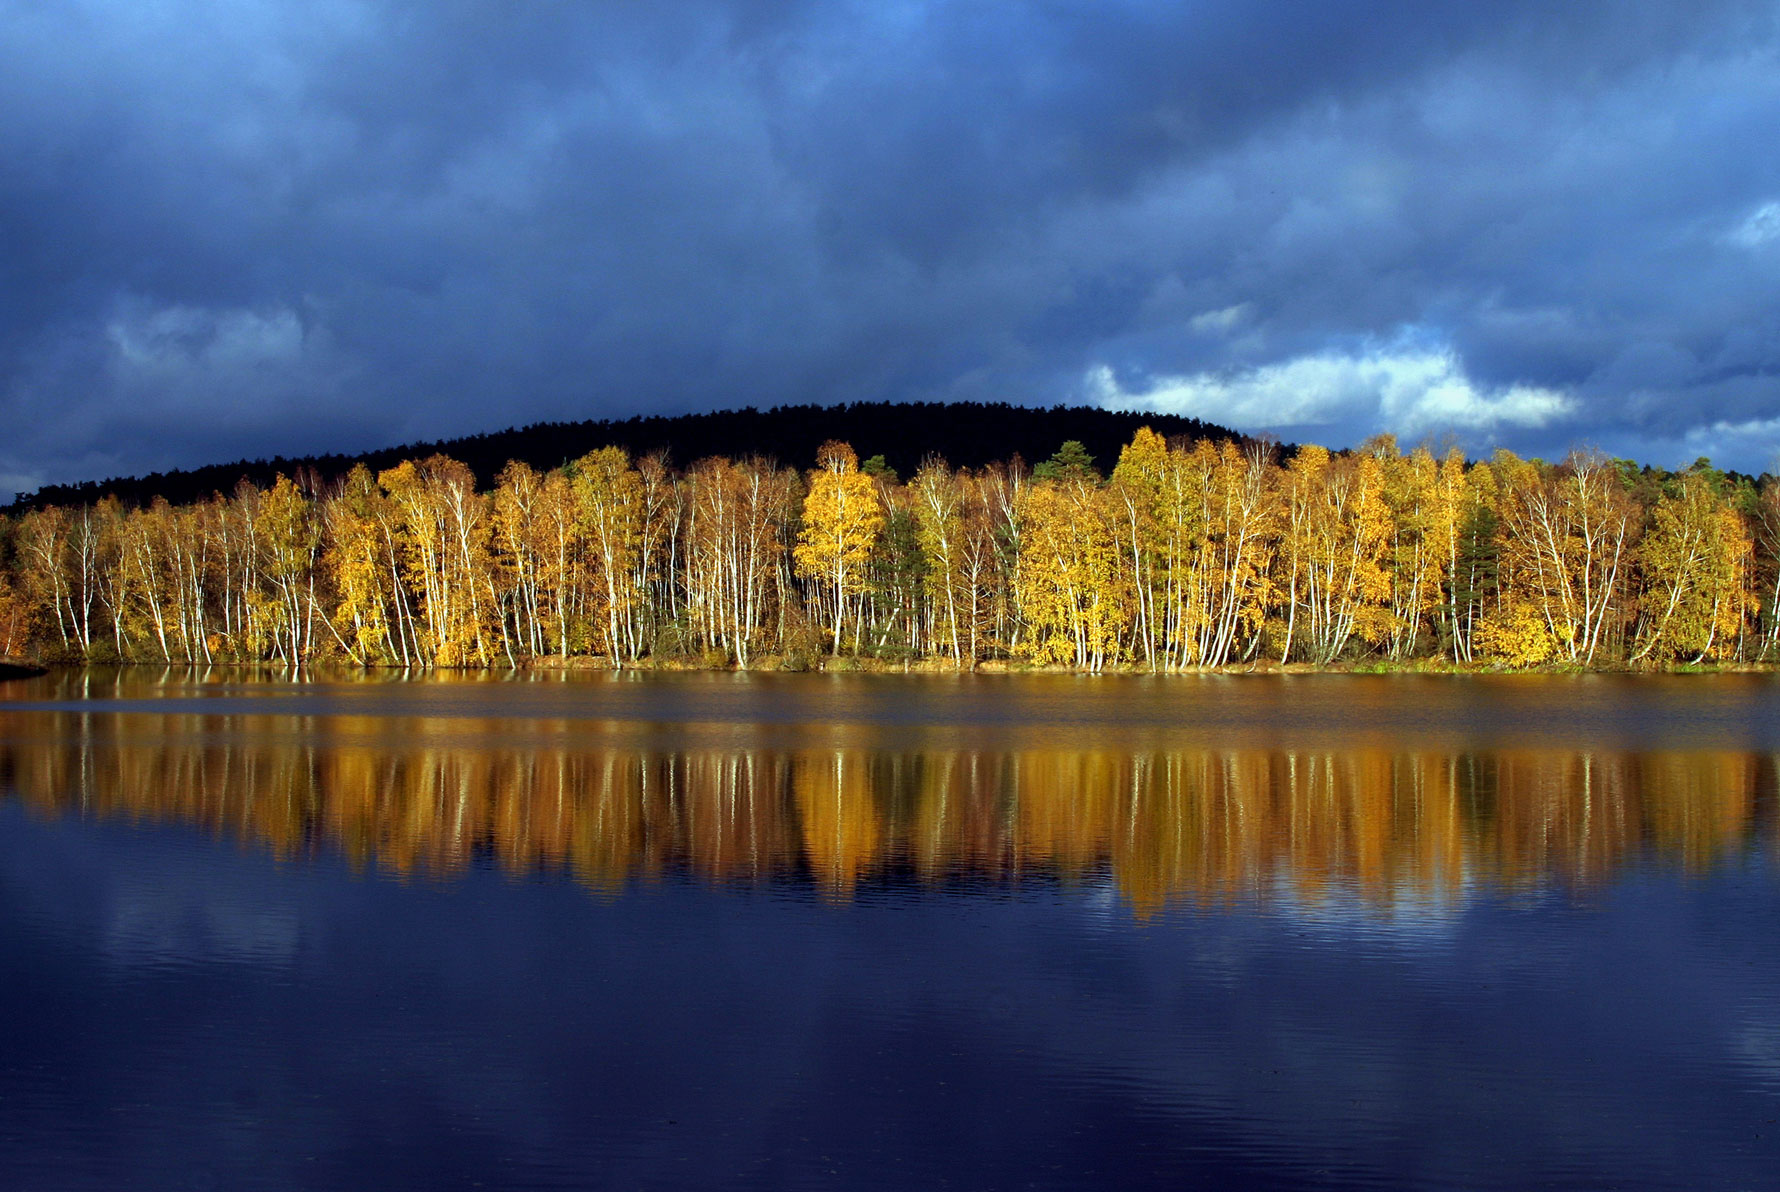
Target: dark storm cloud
248,228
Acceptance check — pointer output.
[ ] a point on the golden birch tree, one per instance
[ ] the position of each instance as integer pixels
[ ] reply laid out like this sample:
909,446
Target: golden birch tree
1567,538
1074,597
842,518
1693,564
609,497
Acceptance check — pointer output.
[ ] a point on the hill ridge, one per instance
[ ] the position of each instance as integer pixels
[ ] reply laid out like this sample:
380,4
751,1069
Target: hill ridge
965,434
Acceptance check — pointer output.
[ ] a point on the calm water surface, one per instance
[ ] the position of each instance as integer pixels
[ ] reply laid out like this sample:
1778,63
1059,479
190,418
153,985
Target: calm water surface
884,932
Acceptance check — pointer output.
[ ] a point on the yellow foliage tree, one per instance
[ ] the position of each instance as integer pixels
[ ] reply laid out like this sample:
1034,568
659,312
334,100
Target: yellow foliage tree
1074,596
445,533
609,499
1567,537
842,518
1693,563
1338,536
939,512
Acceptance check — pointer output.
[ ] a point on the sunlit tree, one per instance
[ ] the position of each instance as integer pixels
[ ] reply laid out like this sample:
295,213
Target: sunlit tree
842,518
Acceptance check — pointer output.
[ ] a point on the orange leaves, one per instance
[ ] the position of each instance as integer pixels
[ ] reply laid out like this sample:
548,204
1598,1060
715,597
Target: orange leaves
737,522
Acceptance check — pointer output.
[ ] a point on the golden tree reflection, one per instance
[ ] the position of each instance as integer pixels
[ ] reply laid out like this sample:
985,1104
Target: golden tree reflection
841,831
430,796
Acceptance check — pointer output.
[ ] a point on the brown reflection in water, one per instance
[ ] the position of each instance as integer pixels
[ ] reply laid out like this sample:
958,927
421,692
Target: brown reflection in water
428,796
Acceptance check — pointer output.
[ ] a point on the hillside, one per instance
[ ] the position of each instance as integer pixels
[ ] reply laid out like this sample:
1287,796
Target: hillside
965,434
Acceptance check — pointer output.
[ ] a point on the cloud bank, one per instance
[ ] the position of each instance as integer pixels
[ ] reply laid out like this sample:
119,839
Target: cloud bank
1399,389
277,226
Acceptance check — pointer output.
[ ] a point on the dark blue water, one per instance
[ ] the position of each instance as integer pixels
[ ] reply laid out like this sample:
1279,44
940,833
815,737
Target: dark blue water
999,935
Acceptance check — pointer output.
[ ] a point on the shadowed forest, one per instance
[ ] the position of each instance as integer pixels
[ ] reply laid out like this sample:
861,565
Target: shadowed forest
969,434
1181,552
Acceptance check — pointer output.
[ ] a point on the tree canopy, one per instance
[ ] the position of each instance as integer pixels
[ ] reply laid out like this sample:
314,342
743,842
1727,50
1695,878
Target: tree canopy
1187,552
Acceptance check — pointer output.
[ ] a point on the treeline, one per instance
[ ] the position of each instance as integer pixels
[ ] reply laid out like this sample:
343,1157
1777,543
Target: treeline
1187,554
969,434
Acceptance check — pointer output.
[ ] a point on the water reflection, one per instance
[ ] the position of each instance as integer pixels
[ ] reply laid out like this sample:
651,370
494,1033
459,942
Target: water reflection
1006,1000
1162,825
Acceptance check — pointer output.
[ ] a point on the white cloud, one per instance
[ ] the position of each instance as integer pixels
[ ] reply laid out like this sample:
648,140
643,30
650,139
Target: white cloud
1221,322
1751,444
1762,227
181,338
222,366
1402,388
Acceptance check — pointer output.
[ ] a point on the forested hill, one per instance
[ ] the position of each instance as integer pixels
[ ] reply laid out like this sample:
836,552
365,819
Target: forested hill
965,434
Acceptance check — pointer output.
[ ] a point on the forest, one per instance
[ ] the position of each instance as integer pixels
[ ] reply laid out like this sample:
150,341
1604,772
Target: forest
1184,553
968,434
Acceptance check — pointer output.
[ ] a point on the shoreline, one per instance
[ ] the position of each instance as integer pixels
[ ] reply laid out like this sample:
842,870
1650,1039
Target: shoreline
11,670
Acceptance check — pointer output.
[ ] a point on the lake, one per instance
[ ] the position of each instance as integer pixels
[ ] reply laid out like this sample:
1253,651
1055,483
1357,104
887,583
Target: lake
874,931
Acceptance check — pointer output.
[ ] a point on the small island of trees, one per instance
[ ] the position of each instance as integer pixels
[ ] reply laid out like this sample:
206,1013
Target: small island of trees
1186,553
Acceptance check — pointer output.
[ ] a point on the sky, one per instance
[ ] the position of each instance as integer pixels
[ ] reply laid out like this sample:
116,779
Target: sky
244,228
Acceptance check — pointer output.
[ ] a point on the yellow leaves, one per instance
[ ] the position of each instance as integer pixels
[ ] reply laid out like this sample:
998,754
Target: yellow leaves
1421,505
1187,555
1195,527
353,561
841,832
939,517
1144,462
737,525
608,495
842,518
446,530
1339,530
1309,464
1073,593
609,492
284,521
1694,566
1566,538
1517,635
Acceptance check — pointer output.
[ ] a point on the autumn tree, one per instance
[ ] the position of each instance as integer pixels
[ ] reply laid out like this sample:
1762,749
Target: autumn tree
361,562
1148,537
1567,536
1765,522
1694,567
900,613
518,517
40,556
289,539
842,518
738,522
939,511
608,498
1189,554
1338,534
1423,499
1468,525
445,533
1074,597
18,611
1233,550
